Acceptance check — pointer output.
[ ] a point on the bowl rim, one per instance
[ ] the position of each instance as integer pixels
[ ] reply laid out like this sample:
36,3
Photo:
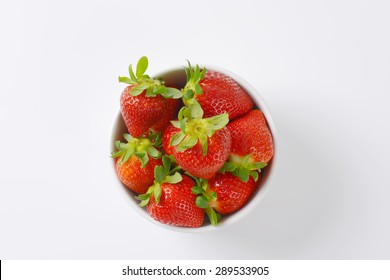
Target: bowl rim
259,195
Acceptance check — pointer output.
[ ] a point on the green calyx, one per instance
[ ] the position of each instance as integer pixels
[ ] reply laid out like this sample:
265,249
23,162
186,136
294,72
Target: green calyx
205,199
162,174
192,88
194,130
194,76
142,147
243,167
142,82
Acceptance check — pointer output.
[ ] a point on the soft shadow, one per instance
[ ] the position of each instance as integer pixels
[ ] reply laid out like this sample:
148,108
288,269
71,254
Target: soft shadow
304,202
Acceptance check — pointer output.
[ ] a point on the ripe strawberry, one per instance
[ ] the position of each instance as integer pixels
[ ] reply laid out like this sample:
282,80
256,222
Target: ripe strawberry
251,135
170,200
232,193
171,109
144,102
136,162
199,146
224,193
216,93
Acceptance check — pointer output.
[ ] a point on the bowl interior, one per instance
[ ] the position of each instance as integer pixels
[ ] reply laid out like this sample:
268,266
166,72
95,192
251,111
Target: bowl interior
176,77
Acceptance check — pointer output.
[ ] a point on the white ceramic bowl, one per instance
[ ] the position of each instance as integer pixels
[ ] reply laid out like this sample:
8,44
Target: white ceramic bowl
177,76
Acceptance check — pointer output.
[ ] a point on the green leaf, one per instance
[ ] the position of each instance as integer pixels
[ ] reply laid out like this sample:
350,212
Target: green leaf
202,202
177,138
123,146
188,76
150,92
172,93
189,94
203,73
156,139
218,122
116,154
198,89
159,89
128,137
204,142
175,178
153,152
145,197
176,124
142,65
166,160
254,175
187,143
204,184
196,109
196,75
197,190
145,202
157,193
132,76
126,80
245,160
118,144
213,196
137,90
243,174
213,216
183,124
260,165
143,157
159,174
127,155
228,167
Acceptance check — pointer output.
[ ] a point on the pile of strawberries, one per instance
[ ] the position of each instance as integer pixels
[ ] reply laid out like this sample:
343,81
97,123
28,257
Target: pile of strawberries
190,151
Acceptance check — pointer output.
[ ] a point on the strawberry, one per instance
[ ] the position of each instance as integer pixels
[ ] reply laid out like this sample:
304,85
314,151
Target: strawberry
216,93
136,161
231,193
144,103
199,146
170,200
224,193
252,146
250,134
170,113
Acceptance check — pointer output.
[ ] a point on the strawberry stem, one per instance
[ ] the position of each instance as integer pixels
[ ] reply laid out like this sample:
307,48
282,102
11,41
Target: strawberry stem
162,174
192,88
194,130
142,82
243,167
205,199
141,147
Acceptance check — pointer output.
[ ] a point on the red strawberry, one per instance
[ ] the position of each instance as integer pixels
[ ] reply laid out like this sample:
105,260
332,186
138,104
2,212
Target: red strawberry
217,93
251,135
170,113
140,112
136,162
224,193
170,200
133,176
201,146
144,102
177,205
232,193
166,139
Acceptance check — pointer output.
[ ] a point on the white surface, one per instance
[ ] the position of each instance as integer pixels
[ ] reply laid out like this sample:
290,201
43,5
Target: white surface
323,68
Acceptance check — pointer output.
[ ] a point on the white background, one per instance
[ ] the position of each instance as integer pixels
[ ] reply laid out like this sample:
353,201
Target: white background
323,68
